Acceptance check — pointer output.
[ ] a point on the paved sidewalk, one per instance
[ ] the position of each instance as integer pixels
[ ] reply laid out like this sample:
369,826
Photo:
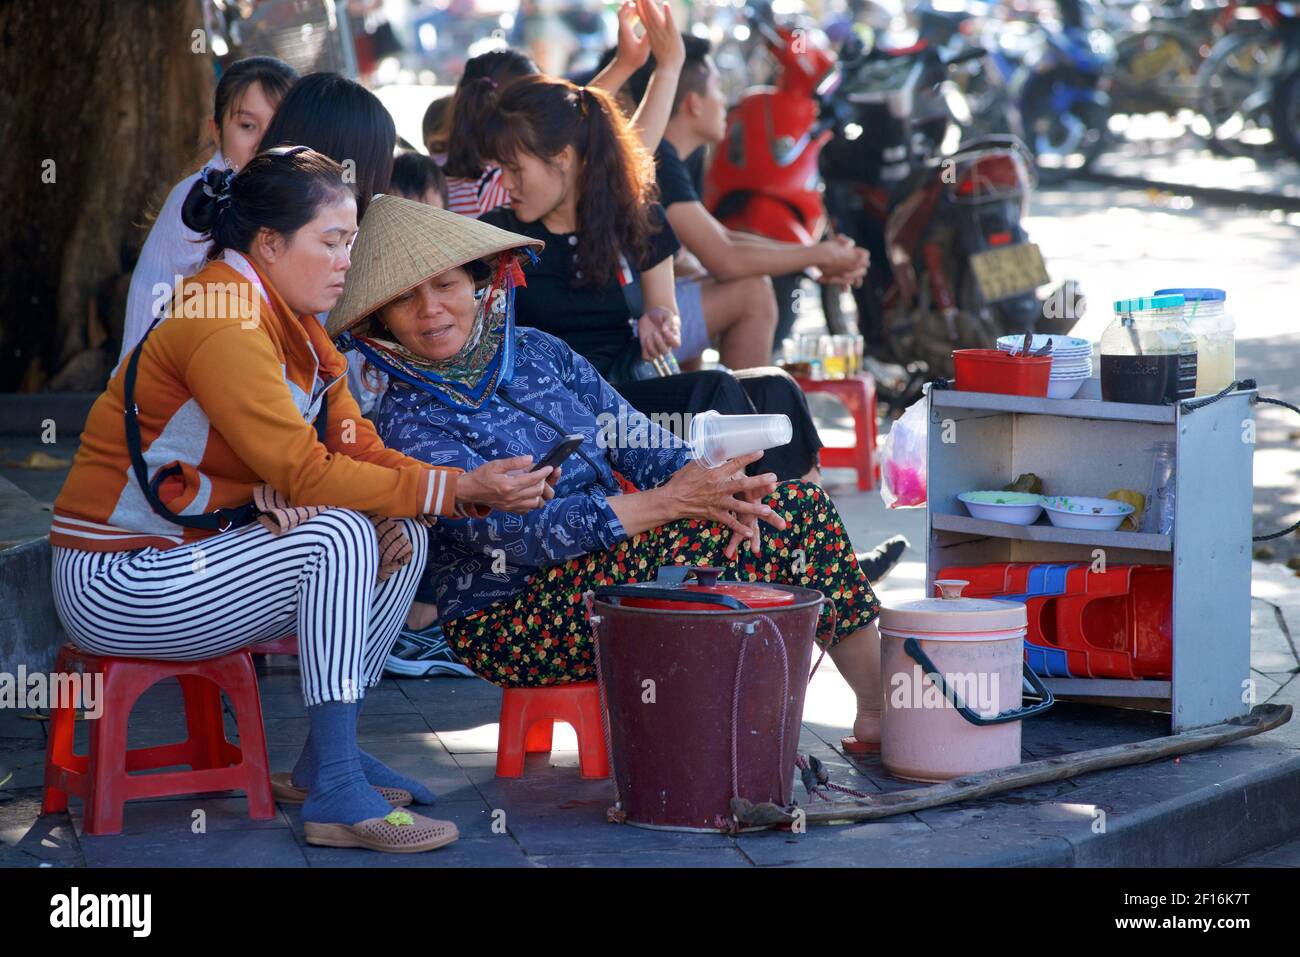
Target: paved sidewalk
1206,808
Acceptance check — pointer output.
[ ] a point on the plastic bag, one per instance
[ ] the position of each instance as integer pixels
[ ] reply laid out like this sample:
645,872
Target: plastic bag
902,462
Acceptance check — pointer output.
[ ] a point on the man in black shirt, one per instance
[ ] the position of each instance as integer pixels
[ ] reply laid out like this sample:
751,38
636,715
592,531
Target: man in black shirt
738,264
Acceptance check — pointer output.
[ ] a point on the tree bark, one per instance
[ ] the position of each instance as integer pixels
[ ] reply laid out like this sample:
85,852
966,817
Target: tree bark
102,109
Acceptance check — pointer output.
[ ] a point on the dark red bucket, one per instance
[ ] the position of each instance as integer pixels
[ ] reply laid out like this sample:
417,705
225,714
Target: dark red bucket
704,699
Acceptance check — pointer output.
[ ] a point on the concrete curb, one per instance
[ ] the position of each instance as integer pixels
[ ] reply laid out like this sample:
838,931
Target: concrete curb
1211,194
30,633
25,413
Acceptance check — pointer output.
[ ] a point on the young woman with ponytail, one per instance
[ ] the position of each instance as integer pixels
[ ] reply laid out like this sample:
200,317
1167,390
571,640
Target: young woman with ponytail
474,184
582,182
228,491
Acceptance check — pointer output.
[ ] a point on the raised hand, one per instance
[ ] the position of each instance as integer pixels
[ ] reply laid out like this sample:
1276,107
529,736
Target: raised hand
661,31
633,51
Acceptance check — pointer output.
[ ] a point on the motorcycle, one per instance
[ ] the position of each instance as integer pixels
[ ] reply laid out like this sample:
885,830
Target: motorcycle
952,266
1062,89
763,178
1250,83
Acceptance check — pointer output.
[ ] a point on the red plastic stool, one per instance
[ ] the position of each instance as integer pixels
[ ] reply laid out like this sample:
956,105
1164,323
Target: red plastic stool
100,777
528,717
288,645
859,396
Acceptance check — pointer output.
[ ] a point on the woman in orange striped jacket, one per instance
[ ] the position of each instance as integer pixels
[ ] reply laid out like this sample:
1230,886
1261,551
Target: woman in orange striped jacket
239,398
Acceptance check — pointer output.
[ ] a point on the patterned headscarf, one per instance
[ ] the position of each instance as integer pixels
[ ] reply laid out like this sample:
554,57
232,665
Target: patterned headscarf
470,378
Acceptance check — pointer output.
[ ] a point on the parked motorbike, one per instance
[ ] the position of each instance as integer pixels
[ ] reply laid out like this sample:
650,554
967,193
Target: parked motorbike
1250,83
951,264
1062,89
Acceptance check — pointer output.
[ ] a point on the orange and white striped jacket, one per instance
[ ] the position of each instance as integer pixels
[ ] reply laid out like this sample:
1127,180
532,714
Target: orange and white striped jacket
228,388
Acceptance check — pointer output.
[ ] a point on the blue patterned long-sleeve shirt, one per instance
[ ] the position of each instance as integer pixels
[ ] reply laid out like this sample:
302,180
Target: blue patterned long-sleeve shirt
476,562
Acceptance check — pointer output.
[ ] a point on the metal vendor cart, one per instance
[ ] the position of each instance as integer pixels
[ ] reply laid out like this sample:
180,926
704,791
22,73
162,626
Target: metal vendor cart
1086,446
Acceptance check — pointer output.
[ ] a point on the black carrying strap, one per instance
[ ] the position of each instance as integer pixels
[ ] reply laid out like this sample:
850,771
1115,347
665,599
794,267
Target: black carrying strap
218,520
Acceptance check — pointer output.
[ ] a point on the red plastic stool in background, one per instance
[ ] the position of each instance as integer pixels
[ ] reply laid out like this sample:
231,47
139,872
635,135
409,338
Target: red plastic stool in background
528,717
100,777
859,396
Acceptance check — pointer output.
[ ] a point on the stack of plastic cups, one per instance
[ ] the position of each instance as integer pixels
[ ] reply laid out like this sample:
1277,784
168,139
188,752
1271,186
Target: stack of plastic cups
715,438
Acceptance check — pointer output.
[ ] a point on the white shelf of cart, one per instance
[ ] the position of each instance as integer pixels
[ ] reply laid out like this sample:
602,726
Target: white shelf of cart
1088,447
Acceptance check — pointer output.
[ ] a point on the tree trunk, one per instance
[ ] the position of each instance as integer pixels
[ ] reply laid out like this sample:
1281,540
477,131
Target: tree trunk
102,110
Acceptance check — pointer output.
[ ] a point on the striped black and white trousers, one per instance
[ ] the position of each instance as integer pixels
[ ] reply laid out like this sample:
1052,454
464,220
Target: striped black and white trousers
318,580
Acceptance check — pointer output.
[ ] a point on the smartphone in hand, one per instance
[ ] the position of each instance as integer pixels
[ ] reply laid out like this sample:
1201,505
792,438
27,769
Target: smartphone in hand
562,450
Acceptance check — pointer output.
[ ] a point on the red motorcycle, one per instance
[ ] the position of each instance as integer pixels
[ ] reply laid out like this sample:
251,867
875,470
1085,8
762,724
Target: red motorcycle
764,178
952,266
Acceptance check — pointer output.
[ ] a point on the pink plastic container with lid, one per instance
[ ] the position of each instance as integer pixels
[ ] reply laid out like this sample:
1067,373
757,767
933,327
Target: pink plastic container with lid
951,670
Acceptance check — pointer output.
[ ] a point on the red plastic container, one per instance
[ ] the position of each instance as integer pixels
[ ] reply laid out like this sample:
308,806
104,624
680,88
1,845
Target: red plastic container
1112,624
992,370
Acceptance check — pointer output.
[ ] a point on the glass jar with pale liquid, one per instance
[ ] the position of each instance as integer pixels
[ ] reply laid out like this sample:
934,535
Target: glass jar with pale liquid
1205,311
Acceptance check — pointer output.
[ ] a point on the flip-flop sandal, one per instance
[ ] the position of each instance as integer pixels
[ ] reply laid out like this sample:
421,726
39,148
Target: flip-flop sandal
401,832
283,790
852,745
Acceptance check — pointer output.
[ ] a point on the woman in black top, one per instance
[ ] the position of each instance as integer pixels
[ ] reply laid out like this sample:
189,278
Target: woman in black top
581,181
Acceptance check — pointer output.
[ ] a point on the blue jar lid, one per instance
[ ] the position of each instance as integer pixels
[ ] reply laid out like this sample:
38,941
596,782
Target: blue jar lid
1144,303
1196,295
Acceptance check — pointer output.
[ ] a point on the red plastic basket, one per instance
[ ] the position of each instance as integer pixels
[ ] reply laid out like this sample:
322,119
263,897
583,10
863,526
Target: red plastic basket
992,370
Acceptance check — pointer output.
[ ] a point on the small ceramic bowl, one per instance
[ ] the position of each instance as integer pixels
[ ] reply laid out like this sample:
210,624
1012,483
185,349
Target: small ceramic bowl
1013,508
1065,388
1073,511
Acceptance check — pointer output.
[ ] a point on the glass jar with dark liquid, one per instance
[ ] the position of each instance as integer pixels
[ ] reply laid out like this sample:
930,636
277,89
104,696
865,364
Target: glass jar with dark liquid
1148,353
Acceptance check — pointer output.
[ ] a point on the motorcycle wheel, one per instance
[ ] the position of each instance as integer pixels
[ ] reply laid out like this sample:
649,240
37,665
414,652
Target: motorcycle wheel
1060,149
1155,71
1230,99
1286,114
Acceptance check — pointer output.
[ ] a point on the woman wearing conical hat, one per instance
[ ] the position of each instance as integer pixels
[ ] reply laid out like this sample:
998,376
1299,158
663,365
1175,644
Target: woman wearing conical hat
429,302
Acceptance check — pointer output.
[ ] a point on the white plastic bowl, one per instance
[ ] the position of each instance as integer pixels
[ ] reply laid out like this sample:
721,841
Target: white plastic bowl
1018,508
1061,345
1065,388
1099,514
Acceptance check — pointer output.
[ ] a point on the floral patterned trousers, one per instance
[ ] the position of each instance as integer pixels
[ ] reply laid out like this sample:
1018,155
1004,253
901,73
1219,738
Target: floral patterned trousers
541,636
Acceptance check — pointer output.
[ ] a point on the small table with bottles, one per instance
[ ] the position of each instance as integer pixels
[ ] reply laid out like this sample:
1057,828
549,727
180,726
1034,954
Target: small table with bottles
832,365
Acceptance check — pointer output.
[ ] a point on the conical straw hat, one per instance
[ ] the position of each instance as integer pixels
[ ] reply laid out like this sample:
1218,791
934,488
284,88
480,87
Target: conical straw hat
400,244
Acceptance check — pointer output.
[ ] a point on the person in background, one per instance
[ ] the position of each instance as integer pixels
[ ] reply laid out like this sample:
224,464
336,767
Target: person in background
247,95
345,121
416,176
437,119
228,439
737,286
474,185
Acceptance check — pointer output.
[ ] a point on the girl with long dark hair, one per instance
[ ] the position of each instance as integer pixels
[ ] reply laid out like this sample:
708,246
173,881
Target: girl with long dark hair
345,121
474,184
582,181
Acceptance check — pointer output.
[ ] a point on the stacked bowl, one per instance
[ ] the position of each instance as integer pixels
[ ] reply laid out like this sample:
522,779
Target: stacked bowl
1071,361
